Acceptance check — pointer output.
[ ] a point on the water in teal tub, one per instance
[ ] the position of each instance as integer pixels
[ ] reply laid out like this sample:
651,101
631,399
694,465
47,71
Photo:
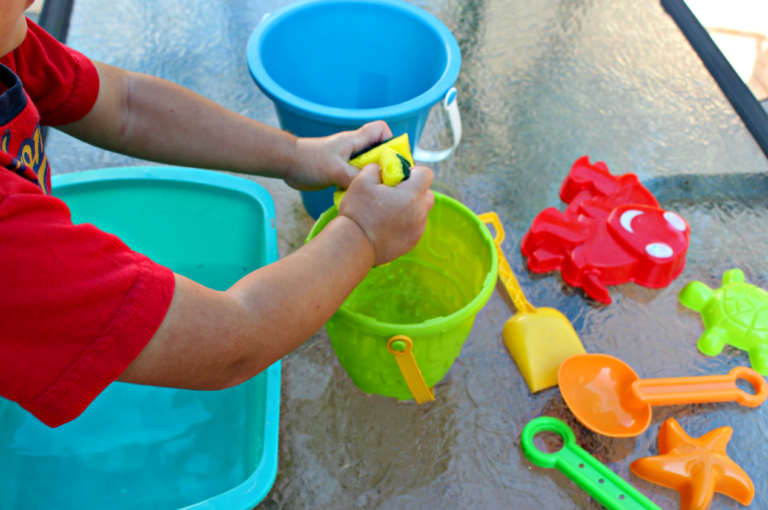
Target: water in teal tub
137,447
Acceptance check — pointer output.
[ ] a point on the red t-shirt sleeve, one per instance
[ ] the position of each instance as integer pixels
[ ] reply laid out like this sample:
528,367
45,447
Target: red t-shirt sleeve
62,82
76,304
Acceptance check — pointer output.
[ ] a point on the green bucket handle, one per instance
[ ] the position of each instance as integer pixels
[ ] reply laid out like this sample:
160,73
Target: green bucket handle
400,346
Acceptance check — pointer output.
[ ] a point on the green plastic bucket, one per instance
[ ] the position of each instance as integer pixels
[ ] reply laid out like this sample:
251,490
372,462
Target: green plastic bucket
431,295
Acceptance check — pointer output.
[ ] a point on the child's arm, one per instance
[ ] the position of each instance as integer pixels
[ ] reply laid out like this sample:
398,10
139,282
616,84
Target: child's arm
213,340
150,118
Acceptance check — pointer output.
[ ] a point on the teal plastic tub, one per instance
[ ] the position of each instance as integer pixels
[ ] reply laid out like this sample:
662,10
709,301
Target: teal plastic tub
140,447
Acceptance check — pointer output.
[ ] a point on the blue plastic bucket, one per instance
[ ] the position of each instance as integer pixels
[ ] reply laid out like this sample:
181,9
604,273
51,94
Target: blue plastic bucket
334,65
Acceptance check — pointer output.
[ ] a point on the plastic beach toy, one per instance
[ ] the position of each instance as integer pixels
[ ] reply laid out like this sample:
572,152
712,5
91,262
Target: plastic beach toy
735,314
539,339
613,231
400,330
608,397
334,65
581,468
696,468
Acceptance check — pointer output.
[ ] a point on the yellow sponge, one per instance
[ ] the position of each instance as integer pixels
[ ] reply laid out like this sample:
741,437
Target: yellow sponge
401,145
394,167
337,196
393,156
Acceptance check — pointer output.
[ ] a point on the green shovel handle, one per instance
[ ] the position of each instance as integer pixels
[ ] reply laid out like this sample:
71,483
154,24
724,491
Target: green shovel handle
605,486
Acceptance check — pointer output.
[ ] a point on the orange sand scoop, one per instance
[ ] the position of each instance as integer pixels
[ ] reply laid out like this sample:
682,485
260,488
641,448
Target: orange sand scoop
539,339
696,468
608,397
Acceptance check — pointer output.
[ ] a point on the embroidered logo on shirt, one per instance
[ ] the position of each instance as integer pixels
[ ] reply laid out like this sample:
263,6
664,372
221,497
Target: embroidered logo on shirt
31,155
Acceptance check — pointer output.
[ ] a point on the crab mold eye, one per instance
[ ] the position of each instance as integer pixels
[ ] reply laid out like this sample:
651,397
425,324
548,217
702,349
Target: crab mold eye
627,217
659,250
675,220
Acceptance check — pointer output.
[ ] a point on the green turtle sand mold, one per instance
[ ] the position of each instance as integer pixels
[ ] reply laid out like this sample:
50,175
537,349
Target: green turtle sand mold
735,314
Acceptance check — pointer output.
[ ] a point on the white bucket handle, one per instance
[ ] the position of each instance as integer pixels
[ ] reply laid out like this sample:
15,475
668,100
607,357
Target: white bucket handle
451,107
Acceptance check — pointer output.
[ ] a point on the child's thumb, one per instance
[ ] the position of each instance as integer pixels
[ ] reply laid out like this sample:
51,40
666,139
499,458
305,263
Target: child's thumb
420,180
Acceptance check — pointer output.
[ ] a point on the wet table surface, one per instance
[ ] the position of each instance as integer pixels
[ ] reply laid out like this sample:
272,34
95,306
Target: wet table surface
543,82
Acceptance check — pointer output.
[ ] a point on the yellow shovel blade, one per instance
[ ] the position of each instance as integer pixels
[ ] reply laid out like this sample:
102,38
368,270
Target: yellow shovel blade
539,343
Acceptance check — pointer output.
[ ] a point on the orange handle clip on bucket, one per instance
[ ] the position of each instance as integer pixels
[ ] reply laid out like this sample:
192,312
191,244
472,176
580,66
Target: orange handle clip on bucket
400,346
539,339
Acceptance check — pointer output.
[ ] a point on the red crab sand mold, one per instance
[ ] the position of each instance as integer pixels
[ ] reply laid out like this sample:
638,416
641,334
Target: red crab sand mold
613,231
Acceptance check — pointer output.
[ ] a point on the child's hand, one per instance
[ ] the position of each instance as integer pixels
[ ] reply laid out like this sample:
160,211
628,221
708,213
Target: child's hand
393,218
322,162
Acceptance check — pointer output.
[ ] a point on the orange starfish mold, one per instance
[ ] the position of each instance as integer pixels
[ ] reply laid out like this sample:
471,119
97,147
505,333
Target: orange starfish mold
696,468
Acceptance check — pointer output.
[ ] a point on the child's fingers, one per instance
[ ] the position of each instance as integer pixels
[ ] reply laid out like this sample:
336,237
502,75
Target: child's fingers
369,135
344,178
419,180
370,175
430,200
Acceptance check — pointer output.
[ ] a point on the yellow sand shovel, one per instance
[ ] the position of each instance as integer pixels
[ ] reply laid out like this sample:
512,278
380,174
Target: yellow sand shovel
539,339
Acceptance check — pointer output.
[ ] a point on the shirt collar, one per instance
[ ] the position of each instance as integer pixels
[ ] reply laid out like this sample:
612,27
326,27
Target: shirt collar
12,101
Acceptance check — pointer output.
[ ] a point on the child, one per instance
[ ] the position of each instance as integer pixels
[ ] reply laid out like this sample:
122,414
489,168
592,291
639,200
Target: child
79,309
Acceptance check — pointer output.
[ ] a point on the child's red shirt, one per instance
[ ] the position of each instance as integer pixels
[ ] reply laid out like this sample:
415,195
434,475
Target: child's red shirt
76,304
